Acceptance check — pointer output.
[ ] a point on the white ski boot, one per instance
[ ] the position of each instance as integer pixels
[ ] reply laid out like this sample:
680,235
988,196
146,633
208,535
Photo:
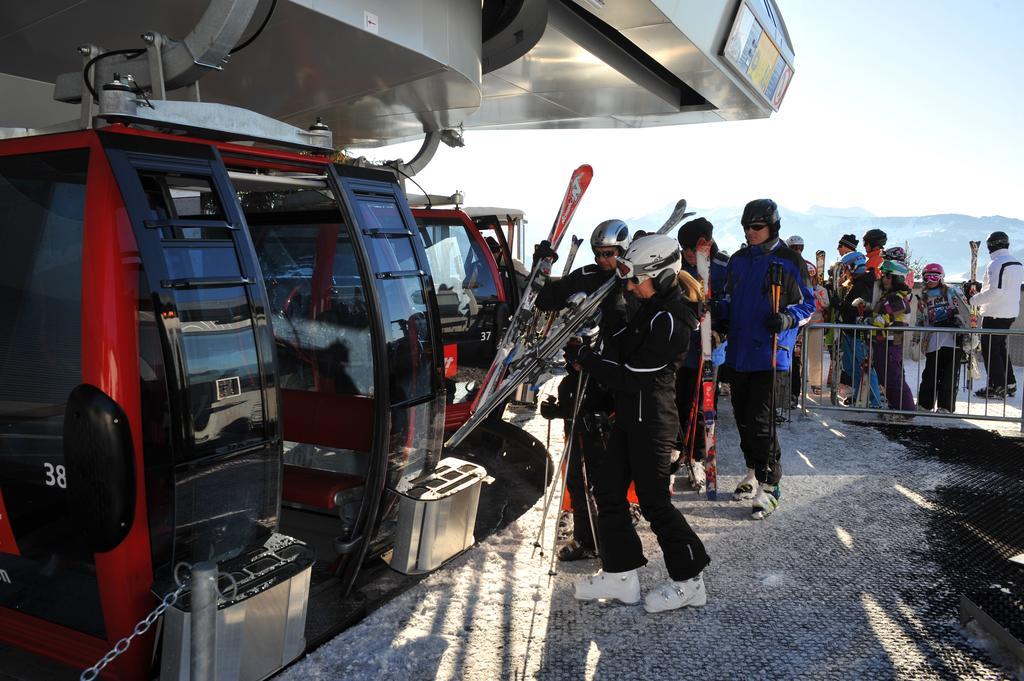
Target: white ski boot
671,595
747,489
766,501
619,586
698,477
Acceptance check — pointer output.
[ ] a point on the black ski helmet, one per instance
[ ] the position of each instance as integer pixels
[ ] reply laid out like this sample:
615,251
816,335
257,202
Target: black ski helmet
693,231
997,240
762,211
874,238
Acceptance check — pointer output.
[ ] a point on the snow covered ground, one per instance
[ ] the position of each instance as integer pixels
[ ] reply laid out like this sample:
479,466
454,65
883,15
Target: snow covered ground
836,584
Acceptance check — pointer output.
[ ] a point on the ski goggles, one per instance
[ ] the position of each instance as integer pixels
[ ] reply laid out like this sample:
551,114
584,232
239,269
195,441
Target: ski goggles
931,276
624,269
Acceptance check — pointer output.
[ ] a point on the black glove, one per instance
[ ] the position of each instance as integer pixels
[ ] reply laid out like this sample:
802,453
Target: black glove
544,250
550,409
692,314
778,322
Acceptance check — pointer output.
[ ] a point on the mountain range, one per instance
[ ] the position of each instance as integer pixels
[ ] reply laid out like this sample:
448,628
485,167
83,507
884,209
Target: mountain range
928,238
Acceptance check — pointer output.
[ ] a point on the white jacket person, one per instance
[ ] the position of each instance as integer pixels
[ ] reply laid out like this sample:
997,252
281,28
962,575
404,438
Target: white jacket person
999,296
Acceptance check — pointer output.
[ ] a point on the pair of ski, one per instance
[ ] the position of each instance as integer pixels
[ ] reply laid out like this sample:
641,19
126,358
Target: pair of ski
532,344
703,413
835,368
971,345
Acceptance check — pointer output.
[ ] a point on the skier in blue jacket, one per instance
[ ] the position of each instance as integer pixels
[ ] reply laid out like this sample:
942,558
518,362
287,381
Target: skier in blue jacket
751,325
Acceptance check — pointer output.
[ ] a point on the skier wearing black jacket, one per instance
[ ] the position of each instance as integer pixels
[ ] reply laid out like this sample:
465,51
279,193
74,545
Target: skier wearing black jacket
638,364
688,376
862,286
608,242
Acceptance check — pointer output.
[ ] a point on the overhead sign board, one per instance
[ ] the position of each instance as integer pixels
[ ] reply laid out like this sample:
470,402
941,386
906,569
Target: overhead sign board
752,53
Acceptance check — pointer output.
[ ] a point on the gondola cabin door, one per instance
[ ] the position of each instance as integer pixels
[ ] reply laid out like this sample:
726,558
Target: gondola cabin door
355,330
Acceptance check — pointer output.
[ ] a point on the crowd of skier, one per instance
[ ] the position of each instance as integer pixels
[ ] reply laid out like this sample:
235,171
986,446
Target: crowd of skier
690,323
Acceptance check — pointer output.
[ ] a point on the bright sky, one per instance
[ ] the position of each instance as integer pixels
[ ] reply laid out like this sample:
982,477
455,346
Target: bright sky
902,107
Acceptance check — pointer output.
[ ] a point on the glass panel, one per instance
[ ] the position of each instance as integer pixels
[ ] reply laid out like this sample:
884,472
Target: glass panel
392,255
321,325
410,355
380,214
467,298
221,510
192,263
42,202
223,375
457,261
318,307
183,197
415,442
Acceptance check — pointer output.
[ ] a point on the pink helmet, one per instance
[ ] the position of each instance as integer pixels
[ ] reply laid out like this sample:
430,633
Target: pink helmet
933,272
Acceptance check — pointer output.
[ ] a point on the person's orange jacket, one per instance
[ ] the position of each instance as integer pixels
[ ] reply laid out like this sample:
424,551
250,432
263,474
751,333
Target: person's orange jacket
875,262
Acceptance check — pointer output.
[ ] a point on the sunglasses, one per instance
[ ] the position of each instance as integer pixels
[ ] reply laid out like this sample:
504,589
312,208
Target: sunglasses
755,227
624,269
610,253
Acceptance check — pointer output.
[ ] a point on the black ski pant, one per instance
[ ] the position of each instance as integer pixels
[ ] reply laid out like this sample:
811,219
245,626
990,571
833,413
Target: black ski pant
642,453
940,378
993,349
689,404
751,405
588,449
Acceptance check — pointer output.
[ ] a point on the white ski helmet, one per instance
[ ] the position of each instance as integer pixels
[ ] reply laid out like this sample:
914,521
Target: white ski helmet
654,256
795,241
610,233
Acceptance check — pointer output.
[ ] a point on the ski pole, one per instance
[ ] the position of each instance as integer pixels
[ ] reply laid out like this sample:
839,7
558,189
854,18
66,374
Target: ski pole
591,502
565,462
547,466
775,282
557,474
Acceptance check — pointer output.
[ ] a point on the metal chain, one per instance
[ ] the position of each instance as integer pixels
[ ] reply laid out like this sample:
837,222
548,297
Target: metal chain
141,628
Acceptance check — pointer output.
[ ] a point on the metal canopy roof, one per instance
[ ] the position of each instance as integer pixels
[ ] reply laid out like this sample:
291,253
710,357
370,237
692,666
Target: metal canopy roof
574,79
378,71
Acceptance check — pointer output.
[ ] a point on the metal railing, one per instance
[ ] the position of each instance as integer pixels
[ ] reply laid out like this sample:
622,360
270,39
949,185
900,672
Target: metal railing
885,361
